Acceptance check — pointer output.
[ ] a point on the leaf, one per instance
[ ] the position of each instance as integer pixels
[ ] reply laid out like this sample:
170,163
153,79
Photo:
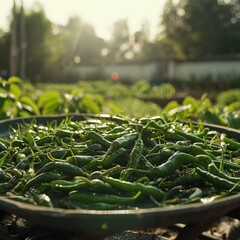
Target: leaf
89,105
10,108
170,105
28,102
15,90
180,109
211,118
14,79
47,97
77,92
51,107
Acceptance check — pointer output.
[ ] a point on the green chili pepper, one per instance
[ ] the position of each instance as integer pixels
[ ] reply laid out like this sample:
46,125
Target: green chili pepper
67,186
89,197
117,158
124,141
80,160
216,181
42,200
214,170
134,158
135,187
8,186
63,167
98,138
2,146
45,177
22,199
67,133
111,156
173,163
231,142
44,140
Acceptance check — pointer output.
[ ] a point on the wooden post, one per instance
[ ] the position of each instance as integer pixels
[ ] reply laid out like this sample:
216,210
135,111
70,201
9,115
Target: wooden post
23,46
13,44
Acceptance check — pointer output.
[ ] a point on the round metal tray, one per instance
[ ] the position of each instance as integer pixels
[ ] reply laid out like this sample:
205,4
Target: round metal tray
115,220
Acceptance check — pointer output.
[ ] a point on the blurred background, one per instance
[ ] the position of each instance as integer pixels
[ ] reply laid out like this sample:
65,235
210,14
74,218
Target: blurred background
97,56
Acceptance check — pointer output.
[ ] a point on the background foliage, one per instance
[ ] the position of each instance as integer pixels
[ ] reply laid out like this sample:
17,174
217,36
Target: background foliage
187,29
19,99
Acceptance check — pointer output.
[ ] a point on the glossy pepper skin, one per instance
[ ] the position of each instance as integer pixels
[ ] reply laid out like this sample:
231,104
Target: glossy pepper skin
117,163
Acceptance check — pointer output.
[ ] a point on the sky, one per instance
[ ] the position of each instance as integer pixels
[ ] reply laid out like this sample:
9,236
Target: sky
100,13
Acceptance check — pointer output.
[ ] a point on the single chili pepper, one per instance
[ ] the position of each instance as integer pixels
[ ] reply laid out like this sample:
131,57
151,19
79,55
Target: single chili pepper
24,163
66,186
80,160
8,186
214,170
98,185
160,157
2,146
134,187
124,141
231,142
173,192
60,153
216,181
45,177
119,119
93,165
98,138
172,136
189,136
61,167
17,143
134,158
157,148
191,193
145,164
42,200
67,133
17,172
22,199
2,174
111,156
196,150
96,175
153,124
44,140
19,157
227,164
187,180
92,148
117,129
203,133
173,163
89,197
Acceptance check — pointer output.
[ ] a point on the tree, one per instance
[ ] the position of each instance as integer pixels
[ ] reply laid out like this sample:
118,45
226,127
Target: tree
81,42
38,30
119,44
4,50
202,27
141,39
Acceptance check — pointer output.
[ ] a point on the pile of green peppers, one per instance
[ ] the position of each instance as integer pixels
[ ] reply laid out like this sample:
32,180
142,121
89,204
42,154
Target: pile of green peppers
118,163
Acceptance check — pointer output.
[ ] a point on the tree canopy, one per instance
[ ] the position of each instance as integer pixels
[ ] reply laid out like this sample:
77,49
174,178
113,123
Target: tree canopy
203,28
187,29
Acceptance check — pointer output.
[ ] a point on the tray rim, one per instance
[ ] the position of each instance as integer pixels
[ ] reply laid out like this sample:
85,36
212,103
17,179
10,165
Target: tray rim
25,210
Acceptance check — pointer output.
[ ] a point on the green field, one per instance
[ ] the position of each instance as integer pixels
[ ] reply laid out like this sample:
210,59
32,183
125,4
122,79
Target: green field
19,99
